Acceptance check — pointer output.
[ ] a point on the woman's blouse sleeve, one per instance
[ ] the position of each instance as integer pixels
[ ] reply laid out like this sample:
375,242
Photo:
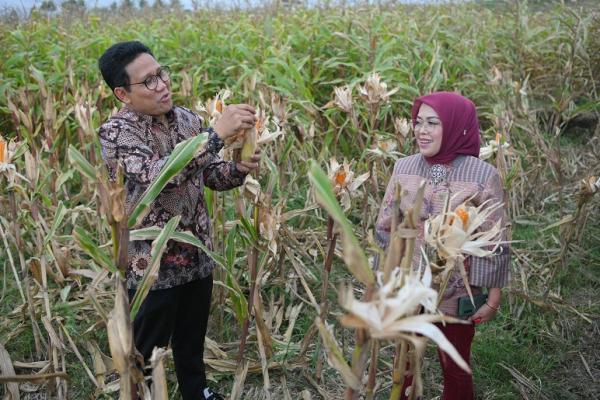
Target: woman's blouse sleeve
384,220
492,271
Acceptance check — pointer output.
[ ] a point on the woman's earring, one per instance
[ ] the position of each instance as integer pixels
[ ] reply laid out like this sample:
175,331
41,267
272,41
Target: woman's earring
465,132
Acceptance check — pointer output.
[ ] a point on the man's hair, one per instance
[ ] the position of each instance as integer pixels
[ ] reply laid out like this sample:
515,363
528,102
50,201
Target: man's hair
114,60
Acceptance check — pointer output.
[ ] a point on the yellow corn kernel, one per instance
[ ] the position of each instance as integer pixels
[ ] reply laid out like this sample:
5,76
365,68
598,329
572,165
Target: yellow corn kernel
463,215
2,150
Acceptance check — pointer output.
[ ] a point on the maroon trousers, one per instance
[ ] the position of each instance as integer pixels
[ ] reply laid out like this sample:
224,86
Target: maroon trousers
458,384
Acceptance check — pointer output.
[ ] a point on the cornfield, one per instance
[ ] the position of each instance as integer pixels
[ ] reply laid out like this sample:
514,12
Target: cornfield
294,244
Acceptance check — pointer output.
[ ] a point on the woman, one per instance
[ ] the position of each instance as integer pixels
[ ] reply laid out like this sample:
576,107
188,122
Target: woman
447,133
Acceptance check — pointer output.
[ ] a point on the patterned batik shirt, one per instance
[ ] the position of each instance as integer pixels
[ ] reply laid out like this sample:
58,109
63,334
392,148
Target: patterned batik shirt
466,178
142,144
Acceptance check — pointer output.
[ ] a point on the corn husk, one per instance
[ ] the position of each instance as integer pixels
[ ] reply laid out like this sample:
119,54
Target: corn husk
390,314
342,99
345,185
458,233
375,91
249,146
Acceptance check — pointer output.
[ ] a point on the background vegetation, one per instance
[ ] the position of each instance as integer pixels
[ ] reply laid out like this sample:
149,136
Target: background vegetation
533,73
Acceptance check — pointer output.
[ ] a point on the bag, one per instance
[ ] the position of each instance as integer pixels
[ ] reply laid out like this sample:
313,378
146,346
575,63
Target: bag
466,307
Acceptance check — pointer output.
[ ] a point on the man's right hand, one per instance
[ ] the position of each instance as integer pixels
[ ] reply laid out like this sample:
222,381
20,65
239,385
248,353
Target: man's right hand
236,117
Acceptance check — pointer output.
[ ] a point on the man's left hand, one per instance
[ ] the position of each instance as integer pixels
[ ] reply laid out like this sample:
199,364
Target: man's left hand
250,165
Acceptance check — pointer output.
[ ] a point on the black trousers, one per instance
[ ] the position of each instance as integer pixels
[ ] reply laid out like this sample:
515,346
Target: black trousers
181,315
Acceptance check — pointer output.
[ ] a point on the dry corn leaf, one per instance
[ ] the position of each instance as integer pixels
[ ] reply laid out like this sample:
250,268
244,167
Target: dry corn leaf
239,379
100,369
120,338
159,376
335,356
7,369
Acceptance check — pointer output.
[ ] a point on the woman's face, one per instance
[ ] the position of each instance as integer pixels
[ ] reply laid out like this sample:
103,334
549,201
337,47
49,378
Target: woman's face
428,131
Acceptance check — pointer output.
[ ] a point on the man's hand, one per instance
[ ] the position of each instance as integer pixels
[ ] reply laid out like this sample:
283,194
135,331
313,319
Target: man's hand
250,165
488,310
236,117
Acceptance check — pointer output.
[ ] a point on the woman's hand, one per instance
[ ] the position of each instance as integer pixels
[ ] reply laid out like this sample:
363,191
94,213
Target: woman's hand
488,310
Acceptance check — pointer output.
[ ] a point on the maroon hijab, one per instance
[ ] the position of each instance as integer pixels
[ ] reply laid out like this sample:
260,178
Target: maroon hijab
459,123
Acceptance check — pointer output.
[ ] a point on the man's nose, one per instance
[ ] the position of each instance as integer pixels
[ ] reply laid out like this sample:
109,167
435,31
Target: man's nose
160,85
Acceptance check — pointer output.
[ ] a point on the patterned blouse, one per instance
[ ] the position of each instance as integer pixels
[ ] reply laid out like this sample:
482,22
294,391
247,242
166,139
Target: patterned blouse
142,144
466,177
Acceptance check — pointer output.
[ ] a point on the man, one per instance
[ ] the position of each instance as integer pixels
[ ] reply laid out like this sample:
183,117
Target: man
140,137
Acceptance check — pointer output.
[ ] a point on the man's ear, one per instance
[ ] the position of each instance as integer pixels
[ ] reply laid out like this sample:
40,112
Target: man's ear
122,94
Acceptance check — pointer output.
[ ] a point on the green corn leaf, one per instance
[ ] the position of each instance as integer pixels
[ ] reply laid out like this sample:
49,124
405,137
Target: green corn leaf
354,256
81,164
181,156
152,233
64,177
92,249
249,228
236,294
159,246
61,211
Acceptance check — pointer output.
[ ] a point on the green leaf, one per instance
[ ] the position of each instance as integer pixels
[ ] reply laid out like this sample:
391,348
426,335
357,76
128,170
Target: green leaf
91,248
81,164
61,211
236,294
64,177
354,256
159,245
181,156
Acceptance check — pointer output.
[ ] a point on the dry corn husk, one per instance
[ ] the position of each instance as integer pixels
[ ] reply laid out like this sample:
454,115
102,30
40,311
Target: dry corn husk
343,99
490,149
213,108
458,233
375,91
390,314
402,126
345,185
384,148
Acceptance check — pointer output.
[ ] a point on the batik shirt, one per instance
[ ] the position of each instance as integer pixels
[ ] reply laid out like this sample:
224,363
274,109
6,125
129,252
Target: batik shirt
466,178
142,145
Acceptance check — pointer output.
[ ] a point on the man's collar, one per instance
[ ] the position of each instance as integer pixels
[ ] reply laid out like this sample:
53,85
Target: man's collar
140,117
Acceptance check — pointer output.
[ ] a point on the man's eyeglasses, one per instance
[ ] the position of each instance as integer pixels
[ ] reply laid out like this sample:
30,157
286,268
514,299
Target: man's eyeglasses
151,82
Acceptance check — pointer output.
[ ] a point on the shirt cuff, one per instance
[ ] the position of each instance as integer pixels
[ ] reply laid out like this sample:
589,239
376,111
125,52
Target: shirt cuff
215,143
236,173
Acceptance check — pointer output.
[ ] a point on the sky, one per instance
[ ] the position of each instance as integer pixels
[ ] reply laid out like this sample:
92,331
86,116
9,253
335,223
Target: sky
27,4
90,3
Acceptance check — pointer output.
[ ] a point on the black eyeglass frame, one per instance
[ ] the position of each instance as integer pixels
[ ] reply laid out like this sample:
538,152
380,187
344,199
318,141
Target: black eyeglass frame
152,80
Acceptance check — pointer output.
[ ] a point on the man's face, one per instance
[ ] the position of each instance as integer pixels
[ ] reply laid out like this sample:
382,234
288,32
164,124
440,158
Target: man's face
155,101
